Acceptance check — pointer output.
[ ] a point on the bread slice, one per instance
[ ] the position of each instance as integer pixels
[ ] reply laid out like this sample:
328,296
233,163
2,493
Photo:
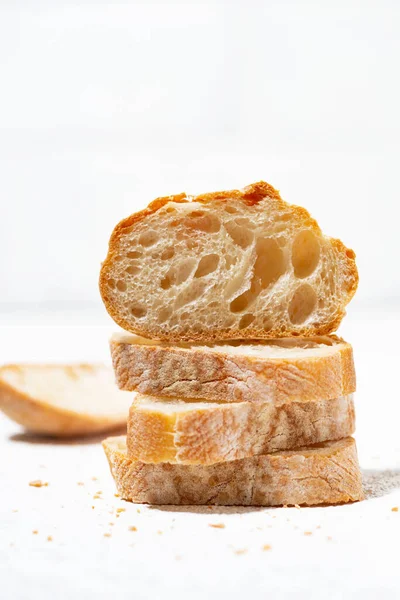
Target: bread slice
203,433
63,400
227,265
277,370
324,474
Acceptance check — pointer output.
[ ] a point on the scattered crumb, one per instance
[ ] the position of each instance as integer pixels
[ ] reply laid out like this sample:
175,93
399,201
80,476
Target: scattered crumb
297,505
329,537
92,506
308,533
35,532
117,516
242,551
318,526
49,538
132,528
266,547
112,524
138,510
107,535
94,478
395,509
38,483
120,510
96,497
100,492
80,483
217,525
116,495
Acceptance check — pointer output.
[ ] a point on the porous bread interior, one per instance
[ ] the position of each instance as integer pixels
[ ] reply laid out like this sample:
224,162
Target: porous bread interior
289,348
88,389
203,270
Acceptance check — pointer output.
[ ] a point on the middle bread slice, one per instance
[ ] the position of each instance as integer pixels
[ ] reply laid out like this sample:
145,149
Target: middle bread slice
204,433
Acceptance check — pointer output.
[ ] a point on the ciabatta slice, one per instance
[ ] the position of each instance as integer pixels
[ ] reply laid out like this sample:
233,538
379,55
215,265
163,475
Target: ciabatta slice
204,433
277,370
325,474
228,265
63,400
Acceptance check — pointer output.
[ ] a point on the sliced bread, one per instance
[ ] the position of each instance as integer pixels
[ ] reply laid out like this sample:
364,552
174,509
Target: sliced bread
278,370
226,265
325,474
63,400
205,433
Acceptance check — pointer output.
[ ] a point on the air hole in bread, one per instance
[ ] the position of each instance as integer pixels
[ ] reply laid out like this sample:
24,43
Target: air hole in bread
270,264
121,286
128,230
132,270
240,303
230,260
208,223
118,258
138,311
197,213
170,209
239,234
134,254
111,283
207,265
305,253
148,238
246,320
168,253
302,304
230,209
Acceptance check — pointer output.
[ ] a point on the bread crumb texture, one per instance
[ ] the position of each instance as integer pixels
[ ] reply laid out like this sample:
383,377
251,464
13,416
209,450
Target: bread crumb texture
238,264
38,483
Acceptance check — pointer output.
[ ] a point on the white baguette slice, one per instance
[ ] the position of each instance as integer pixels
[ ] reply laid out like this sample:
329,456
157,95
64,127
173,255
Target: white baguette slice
325,474
227,265
204,433
278,370
63,400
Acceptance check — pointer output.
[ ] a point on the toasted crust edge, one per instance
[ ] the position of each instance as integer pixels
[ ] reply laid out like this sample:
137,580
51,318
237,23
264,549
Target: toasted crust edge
297,477
251,194
42,418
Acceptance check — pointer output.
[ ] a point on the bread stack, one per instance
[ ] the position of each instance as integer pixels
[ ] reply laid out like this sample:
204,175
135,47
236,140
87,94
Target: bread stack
241,395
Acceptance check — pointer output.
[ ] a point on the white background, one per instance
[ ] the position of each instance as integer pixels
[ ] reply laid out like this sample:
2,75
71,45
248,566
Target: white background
103,107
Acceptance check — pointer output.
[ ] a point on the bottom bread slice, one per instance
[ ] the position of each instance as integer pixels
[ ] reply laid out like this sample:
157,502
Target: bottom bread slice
324,474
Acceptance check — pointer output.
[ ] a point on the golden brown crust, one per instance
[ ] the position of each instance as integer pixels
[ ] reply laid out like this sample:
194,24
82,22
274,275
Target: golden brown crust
192,372
40,417
328,474
204,434
250,195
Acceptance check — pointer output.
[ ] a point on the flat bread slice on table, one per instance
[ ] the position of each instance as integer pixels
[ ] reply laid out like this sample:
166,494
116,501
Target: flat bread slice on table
63,400
325,474
203,433
238,264
276,370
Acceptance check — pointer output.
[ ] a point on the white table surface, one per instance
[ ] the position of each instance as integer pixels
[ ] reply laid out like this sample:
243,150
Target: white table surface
352,552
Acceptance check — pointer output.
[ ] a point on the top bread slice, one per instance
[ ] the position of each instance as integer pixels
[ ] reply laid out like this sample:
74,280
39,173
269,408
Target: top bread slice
226,265
63,400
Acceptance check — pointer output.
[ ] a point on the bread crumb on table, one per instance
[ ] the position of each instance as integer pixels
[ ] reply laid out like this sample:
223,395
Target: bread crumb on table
35,532
117,495
38,483
395,509
80,483
266,547
241,551
97,497
132,528
217,525
49,538
120,510
308,533
94,478
107,535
